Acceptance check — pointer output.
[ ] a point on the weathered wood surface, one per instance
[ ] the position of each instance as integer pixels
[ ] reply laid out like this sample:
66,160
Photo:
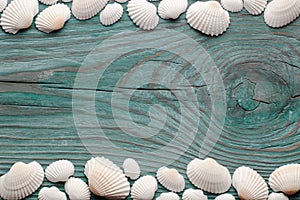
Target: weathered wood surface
260,68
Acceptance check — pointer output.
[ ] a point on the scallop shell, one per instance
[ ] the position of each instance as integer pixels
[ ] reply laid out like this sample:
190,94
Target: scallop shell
249,184
52,193
131,168
225,197
111,14
280,13
168,196
53,18
170,179
77,189
144,188
3,4
233,5
21,180
121,1
277,196
286,179
143,14
59,171
48,2
209,175
19,15
172,9
192,194
255,7
86,9
208,17
106,179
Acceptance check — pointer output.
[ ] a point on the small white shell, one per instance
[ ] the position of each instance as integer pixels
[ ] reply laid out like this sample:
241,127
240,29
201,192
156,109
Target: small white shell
143,14
277,196
233,5
144,188
59,171
170,179
168,196
225,197
77,189
131,168
121,1
172,9
3,4
111,14
255,7
192,194
52,193
66,1
48,2
209,175
249,184
286,179
208,17
86,9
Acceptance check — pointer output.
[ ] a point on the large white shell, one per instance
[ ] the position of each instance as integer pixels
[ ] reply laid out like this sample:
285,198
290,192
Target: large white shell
172,9
143,14
209,175
249,184
77,189
131,168
233,5
21,180
49,2
86,9
52,193
3,4
208,17
19,15
255,7
170,179
168,196
277,196
286,179
192,194
106,179
53,18
59,171
144,188
111,14
225,197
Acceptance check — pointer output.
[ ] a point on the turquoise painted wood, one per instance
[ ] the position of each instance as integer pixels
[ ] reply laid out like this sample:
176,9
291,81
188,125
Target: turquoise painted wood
259,66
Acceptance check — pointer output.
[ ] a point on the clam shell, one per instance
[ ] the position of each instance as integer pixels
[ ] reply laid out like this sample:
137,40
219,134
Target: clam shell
277,196
225,197
19,15
143,14
255,7
233,5
172,9
53,18
249,184
208,17
3,4
77,189
59,171
52,193
286,179
111,14
48,2
21,180
86,9
144,188
170,179
192,194
131,168
168,196
209,175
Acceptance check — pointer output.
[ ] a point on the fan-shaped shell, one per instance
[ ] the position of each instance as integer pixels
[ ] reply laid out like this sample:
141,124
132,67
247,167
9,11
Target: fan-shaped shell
209,175
208,17
233,5
255,7
3,4
249,184
192,194
131,168
77,189
225,197
19,15
48,2
86,9
172,9
277,196
286,179
59,171
170,179
143,14
111,14
144,188
21,180
52,193
168,196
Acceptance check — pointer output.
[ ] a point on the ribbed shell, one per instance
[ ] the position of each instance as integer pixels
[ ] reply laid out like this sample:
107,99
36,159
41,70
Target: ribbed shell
233,5
277,196
131,168
48,2
168,196
77,189
192,194
172,9
52,193
170,179
255,7
59,171
144,188
111,14
225,197
86,9
3,4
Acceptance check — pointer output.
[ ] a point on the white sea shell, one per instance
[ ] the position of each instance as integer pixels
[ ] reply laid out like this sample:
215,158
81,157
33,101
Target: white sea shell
21,180
168,196
48,2
59,171
52,193
53,18
225,197
286,179
208,17
111,14
209,175
277,196
143,14
233,5
255,7
192,194
86,9
131,168
170,179
3,4
121,1
77,189
19,15
144,188
249,184
172,9
66,1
